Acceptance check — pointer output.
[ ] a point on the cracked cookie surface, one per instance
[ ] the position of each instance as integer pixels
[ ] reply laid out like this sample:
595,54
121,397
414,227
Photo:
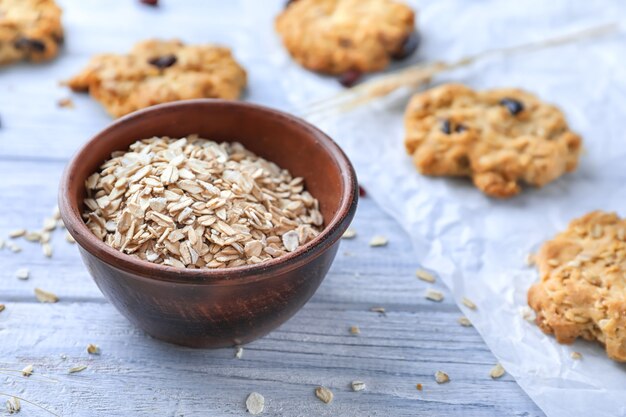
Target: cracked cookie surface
337,36
29,30
156,72
501,138
582,288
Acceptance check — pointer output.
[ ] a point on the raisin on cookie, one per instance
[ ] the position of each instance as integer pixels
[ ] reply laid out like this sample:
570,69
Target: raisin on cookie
582,292
501,138
157,71
29,30
338,36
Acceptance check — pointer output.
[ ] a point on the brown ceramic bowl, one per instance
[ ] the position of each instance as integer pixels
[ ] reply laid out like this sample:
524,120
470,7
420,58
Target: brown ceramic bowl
216,307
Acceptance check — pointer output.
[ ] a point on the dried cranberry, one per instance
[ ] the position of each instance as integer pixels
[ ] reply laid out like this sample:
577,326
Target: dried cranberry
513,106
150,2
409,46
446,127
30,44
350,78
362,192
163,62
460,128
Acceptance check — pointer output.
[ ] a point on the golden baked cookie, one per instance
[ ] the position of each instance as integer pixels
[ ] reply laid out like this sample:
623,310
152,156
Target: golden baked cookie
582,292
501,138
159,71
337,36
29,30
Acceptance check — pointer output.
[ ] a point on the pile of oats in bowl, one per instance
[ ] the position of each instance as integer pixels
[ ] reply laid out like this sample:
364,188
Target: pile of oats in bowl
195,203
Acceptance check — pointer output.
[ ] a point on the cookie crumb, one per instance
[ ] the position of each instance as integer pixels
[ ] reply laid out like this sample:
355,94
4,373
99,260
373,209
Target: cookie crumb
93,349
2,307
350,233
255,403
378,241
576,355
419,387
434,295
468,303
355,330
497,371
530,259
358,386
324,394
380,310
425,275
441,377
65,103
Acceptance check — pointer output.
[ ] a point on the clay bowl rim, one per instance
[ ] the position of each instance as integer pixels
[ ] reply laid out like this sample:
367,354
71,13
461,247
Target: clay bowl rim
332,231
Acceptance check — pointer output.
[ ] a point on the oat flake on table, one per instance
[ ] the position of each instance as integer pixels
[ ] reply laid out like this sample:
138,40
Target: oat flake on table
198,204
255,403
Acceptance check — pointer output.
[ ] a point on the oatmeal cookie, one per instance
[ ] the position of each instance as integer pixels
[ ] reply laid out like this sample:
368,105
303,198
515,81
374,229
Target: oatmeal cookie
500,138
582,292
337,36
29,30
159,71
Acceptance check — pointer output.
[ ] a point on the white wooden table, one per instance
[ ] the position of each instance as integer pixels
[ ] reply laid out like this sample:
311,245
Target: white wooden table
135,375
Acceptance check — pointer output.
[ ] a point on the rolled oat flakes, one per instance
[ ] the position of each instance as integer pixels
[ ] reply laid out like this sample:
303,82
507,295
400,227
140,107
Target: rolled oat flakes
195,203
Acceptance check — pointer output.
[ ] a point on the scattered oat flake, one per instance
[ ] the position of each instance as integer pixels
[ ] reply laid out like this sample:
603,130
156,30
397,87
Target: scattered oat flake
434,295
497,371
13,405
380,310
45,296
378,241
28,370
66,103
527,313
93,349
47,250
238,352
355,330
419,387
33,236
15,248
358,385
425,275
76,369
350,233
576,355
2,307
255,403
49,224
69,238
324,394
530,259
22,273
464,321
17,233
468,303
441,377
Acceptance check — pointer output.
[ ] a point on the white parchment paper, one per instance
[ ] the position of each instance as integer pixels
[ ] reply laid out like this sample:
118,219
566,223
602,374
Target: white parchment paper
478,245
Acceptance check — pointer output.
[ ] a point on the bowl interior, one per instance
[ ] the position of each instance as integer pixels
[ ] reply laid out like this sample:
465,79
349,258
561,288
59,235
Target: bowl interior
278,137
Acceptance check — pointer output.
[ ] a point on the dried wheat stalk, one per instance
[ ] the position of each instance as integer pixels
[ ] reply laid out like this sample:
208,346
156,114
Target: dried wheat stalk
419,75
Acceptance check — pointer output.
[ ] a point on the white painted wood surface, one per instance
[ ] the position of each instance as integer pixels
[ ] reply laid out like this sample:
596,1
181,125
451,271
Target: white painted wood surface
135,375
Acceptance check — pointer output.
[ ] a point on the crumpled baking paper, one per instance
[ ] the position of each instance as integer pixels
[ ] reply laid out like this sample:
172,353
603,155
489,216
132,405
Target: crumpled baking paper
477,245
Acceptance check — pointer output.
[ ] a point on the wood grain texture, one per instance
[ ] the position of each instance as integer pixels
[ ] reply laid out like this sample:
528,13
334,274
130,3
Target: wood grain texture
135,375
